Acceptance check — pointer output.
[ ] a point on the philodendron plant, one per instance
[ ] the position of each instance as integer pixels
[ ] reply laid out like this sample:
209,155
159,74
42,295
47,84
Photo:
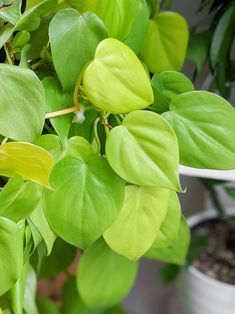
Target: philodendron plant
94,122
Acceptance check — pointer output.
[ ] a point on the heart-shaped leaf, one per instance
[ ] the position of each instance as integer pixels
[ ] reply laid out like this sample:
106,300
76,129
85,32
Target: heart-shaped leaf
80,34
88,195
144,151
124,85
176,252
126,20
21,92
11,248
162,50
56,100
112,274
166,86
169,230
29,161
18,199
135,229
204,125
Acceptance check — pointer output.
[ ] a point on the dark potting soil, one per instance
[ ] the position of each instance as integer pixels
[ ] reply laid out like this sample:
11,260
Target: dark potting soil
217,259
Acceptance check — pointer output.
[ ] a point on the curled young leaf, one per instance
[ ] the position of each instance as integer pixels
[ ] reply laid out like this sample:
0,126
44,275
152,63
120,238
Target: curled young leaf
124,85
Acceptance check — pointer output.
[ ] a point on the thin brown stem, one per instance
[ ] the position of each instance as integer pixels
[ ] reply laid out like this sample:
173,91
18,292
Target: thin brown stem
61,112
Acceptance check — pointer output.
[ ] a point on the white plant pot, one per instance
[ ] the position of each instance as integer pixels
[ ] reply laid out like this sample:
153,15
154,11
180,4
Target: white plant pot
201,294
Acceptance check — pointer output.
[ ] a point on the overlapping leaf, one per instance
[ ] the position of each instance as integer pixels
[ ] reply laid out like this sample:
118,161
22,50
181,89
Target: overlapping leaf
144,151
124,85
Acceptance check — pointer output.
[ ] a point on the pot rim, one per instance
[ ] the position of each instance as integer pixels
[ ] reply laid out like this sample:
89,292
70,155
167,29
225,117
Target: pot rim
195,220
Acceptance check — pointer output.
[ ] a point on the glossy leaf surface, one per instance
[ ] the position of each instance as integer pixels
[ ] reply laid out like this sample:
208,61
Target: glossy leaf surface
165,44
80,34
124,85
166,86
144,150
204,125
31,162
88,195
21,92
11,248
111,276
135,229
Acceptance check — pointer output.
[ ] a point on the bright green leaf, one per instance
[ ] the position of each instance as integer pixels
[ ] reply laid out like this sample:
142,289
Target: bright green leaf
20,40
169,230
176,252
57,100
31,162
47,306
52,144
78,146
124,85
166,86
88,195
18,199
86,5
204,125
144,151
30,292
104,278
126,20
80,34
11,248
11,13
135,229
21,92
165,44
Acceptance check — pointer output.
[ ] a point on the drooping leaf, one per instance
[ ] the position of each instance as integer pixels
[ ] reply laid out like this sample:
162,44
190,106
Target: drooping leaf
5,33
56,100
140,148
126,20
176,252
80,34
223,36
39,220
169,229
106,281
31,18
165,44
135,229
31,162
18,199
124,85
198,48
21,92
166,86
11,248
88,195
204,125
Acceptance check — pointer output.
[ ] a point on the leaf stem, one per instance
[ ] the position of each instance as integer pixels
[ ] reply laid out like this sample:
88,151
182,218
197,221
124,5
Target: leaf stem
61,112
4,141
95,129
9,60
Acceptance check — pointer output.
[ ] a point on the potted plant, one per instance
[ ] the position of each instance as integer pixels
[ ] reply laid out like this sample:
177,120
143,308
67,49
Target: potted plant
91,145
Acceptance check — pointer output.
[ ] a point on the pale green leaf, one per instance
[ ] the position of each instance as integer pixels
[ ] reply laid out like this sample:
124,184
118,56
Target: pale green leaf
104,278
21,92
52,144
30,292
166,86
176,252
11,12
124,84
11,248
80,34
135,229
31,162
5,33
165,44
144,151
169,230
88,195
204,125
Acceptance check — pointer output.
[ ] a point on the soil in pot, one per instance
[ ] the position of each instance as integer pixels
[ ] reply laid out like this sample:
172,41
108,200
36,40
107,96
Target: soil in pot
217,259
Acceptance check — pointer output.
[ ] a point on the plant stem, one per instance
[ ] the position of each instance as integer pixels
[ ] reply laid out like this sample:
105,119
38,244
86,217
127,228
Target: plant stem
4,141
61,112
95,128
49,129
9,60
